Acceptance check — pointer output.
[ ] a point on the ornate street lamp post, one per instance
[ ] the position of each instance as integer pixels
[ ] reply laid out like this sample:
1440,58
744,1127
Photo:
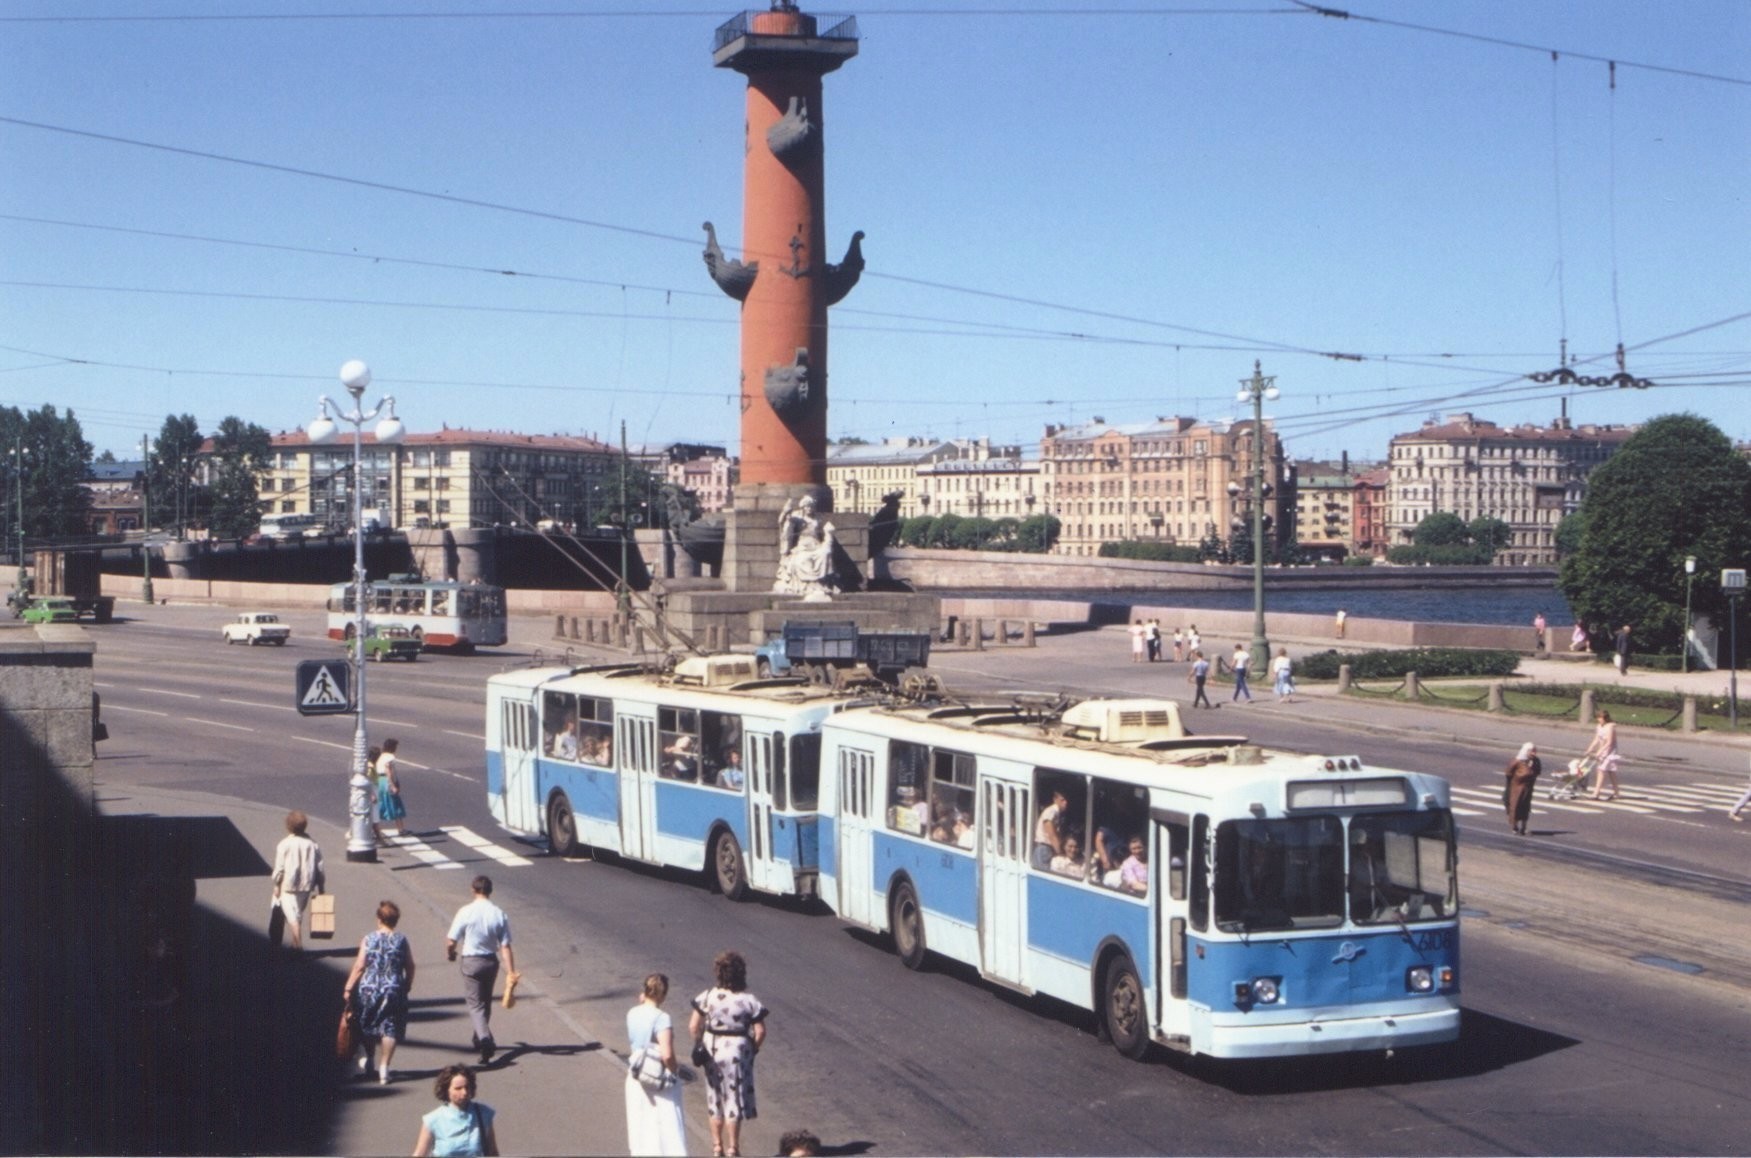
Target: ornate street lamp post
1689,580
1257,389
18,456
355,376
146,592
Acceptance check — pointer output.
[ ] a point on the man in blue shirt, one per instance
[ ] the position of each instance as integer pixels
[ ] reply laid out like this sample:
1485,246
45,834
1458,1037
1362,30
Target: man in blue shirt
481,934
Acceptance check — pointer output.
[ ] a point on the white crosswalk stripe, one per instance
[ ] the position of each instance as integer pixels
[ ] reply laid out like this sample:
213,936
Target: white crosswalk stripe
476,846
1640,799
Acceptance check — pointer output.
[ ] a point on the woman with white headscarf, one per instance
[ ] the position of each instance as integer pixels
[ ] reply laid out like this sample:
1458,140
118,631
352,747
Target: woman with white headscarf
1517,796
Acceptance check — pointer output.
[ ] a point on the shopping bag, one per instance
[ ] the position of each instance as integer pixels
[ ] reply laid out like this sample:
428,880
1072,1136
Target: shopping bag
344,1040
322,916
276,923
511,980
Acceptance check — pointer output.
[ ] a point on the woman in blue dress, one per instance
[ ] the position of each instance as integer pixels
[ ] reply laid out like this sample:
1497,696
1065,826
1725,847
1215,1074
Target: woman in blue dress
378,986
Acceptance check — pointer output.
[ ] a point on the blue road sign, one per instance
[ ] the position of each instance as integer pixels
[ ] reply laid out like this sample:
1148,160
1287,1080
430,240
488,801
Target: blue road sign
323,687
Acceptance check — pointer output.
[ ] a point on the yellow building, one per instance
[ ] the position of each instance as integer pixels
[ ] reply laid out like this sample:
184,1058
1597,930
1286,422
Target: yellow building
1165,481
458,478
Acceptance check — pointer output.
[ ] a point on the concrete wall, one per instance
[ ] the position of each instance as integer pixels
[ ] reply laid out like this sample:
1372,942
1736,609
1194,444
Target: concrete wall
314,596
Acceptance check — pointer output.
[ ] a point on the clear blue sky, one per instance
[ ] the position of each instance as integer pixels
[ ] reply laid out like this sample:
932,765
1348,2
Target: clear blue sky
1072,211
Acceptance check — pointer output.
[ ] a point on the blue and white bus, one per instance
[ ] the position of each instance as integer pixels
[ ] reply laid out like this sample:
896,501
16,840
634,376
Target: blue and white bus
708,767
1196,892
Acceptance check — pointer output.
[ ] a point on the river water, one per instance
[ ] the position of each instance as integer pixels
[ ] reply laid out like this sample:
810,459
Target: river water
1492,605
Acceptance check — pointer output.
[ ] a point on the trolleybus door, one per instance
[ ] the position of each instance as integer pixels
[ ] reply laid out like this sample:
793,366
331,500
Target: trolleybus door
635,744
856,844
764,869
1004,810
1171,863
517,731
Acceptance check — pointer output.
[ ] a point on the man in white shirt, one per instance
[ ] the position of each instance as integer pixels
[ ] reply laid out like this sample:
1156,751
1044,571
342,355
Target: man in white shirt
481,934
1241,663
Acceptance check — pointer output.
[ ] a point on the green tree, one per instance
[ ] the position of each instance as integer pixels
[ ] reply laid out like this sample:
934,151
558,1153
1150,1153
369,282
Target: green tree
1037,534
170,471
1489,534
1676,488
915,531
46,455
1568,534
239,450
1441,529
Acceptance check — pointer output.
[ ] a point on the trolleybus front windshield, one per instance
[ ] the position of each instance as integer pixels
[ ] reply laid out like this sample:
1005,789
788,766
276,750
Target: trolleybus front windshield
1401,867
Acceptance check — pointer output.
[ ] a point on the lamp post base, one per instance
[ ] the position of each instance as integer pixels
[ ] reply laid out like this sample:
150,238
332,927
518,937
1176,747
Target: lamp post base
361,855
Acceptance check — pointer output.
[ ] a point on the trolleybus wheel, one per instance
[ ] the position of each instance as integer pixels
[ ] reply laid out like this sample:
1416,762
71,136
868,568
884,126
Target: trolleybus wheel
764,669
419,635
562,828
732,871
351,630
1127,1021
907,920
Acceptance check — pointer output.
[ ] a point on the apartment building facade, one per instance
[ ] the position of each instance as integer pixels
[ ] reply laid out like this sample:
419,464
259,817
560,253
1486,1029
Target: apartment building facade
1528,476
1174,480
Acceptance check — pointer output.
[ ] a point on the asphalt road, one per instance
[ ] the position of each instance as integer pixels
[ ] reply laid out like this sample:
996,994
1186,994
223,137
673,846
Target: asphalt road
1570,1045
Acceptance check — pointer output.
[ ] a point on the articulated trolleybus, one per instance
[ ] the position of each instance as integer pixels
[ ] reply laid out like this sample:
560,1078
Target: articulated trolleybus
1193,891
439,613
707,769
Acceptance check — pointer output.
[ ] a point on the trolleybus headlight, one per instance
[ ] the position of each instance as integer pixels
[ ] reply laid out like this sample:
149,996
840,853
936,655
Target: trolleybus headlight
1265,990
1419,979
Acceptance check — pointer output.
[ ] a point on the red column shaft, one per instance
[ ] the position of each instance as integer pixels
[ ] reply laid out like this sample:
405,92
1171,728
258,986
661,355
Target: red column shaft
784,228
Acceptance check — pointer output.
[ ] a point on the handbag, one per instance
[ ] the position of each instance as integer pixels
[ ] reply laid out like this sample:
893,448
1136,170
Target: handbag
701,1056
646,1065
276,923
344,1040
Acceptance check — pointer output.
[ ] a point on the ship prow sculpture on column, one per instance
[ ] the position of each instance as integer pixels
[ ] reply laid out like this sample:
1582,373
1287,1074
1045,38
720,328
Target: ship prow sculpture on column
785,552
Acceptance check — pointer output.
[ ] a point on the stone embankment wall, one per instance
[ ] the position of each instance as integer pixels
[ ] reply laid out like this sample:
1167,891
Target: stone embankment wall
938,570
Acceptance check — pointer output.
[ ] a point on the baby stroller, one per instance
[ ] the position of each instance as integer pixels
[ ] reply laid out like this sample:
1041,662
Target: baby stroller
1570,780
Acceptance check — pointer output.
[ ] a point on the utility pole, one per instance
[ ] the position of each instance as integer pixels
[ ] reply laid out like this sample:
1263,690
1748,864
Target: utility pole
1256,390
146,592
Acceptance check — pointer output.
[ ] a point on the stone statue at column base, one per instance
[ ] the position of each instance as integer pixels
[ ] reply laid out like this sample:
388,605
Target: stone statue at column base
805,554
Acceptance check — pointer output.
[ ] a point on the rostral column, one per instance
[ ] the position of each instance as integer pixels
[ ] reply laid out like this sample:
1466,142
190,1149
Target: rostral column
784,282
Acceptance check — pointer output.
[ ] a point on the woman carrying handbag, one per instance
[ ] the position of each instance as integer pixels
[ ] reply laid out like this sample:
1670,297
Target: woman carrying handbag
653,1088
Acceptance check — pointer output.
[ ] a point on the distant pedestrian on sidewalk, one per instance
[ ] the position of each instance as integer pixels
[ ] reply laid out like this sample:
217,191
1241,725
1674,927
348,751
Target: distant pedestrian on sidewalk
653,1116
1239,662
1737,810
1517,794
1152,640
375,803
1620,646
1604,750
460,1125
1196,677
1283,672
1341,619
481,935
382,978
297,874
1540,633
731,1023
1193,643
1137,641
1578,638
1179,645
390,804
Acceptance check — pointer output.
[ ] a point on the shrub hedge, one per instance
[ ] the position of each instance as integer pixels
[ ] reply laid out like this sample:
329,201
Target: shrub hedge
1427,662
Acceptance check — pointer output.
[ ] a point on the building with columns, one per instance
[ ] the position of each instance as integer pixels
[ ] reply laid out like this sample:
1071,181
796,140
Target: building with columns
1165,481
1527,476
990,483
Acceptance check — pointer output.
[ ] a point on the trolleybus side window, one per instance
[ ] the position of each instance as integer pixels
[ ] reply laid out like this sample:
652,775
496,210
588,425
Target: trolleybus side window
559,725
908,787
1119,854
1401,867
1060,821
951,798
805,772
596,731
678,740
1279,874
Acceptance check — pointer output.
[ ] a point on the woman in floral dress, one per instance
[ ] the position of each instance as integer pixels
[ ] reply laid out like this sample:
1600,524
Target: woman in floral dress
731,1023
382,978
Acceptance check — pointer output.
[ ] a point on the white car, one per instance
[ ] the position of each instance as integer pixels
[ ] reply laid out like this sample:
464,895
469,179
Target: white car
253,627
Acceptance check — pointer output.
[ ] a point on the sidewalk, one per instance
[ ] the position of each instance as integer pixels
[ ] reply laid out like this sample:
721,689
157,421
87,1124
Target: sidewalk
262,1076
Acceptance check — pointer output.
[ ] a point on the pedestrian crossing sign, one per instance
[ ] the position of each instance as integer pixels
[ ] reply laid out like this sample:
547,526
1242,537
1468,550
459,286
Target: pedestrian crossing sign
322,687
